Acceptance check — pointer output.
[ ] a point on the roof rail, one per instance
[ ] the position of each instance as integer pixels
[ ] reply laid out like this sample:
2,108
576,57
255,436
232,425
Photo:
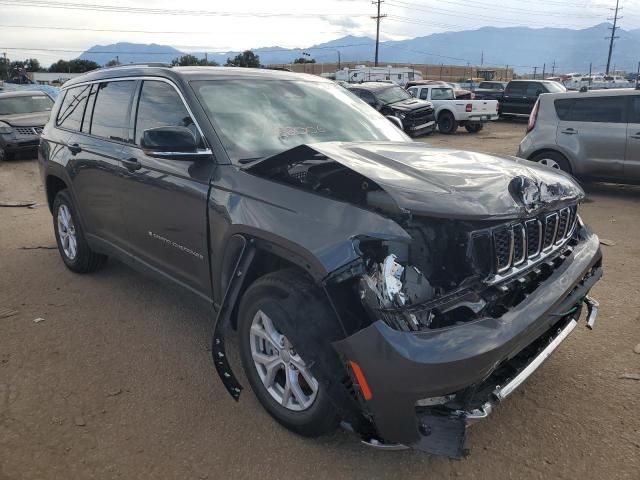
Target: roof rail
141,64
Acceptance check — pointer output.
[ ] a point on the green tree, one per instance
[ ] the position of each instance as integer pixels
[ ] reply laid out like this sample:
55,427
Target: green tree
73,66
4,68
191,60
112,63
304,60
245,59
32,65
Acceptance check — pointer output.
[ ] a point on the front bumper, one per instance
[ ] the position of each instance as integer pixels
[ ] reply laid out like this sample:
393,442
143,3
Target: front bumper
17,144
404,367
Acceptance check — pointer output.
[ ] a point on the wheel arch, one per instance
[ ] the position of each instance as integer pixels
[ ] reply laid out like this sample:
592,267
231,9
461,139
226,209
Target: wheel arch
551,150
53,185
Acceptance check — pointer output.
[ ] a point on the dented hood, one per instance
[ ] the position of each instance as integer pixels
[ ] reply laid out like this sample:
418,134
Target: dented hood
448,183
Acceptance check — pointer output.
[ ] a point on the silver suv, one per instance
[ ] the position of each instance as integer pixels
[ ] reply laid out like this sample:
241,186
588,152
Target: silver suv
593,135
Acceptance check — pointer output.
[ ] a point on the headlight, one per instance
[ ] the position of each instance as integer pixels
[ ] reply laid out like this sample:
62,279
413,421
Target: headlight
5,128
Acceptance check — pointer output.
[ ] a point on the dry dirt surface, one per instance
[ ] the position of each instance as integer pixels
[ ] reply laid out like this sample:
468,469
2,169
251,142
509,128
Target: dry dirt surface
117,380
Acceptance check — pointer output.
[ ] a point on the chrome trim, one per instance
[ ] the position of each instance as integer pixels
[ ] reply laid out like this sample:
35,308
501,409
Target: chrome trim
555,230
138,77
501,393
539,237
197,153
521,260
377,444
560,237
509,262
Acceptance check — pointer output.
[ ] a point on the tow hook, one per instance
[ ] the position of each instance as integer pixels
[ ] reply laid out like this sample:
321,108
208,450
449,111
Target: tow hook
592,311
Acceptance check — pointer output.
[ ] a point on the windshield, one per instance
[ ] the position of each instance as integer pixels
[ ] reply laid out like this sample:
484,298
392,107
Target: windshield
25,104
555,87
392,95
260,118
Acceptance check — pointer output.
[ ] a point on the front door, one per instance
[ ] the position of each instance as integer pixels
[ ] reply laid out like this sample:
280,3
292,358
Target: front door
514,98
632,158
165,201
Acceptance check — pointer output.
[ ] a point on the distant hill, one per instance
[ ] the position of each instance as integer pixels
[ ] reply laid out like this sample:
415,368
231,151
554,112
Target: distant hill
519,47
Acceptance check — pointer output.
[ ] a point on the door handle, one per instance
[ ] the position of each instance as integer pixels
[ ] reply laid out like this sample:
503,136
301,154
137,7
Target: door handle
132,164
569,131
74,148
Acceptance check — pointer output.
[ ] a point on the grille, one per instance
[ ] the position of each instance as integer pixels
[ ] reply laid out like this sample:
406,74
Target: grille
513,245
28,130
420,117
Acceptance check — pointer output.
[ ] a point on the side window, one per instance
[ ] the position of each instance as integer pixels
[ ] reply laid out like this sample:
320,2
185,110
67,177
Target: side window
598,110
534,89
72,109
399,76
368,97
563,108
413,92
160,106
424,93
517,88
634,112
111,111
86,121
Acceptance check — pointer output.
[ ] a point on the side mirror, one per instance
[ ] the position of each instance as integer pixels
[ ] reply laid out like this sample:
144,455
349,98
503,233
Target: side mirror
396,121
170,142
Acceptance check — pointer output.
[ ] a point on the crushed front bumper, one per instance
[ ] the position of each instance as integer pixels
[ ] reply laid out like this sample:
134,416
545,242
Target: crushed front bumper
404,367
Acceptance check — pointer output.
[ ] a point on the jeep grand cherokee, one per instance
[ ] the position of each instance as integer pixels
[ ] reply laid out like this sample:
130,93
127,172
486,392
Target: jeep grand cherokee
399,290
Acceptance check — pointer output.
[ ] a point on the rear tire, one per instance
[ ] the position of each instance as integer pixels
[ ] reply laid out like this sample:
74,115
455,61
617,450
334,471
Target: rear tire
553,160
473,127
265,305
72,245
447,123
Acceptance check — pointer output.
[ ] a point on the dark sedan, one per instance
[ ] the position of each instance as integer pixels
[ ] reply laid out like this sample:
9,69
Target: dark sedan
22,117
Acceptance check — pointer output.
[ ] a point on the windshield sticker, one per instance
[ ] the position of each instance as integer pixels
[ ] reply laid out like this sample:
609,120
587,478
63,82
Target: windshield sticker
284,132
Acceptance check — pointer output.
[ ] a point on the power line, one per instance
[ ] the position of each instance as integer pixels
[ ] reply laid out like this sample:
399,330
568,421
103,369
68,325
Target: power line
164,11
613,34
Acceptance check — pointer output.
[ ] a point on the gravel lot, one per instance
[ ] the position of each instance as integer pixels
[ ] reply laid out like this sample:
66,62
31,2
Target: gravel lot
118,382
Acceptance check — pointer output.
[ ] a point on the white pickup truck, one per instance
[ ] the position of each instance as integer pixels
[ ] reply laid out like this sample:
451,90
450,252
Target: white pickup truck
451,113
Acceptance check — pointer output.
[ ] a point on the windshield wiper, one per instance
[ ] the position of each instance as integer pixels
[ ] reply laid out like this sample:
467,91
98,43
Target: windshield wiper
244,161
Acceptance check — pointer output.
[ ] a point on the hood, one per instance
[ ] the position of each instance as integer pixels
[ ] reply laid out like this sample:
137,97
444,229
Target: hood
409,105
38,119
448,183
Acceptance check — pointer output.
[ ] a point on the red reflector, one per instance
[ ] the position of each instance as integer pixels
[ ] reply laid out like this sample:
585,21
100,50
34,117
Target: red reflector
469,107
362,382
534,116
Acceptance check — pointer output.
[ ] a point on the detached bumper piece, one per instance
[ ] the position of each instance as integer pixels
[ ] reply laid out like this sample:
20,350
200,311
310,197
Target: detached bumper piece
428,386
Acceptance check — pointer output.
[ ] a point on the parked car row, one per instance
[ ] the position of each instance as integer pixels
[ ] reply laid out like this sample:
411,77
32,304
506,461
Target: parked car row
23,115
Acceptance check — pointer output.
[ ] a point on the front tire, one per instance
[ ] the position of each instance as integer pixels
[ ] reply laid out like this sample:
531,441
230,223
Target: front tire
72,245
473,127
447,123
277,372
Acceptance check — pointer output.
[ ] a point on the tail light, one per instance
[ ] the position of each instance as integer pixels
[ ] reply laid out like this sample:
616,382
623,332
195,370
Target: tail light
498,107
534,116
469,107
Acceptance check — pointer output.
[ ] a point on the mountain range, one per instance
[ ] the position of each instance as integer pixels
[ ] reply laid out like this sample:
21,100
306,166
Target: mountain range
522,48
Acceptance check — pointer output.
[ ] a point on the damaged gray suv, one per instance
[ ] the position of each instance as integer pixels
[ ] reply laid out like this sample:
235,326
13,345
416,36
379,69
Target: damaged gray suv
399,290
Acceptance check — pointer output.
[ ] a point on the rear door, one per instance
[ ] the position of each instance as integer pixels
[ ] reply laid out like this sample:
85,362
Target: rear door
165,200
632,158
514,98
94,153
533,91
594,130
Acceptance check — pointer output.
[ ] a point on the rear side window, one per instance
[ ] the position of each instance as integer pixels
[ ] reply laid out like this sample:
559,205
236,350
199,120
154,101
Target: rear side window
86,122
592,109
111,111
534,89
517,88
72,109
424,93
368,97
442,94
160,106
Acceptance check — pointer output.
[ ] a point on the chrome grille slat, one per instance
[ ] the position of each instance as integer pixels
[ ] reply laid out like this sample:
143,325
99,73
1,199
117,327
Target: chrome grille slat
520,245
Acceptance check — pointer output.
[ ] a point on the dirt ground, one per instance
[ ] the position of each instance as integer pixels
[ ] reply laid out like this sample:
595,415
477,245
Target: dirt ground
118,382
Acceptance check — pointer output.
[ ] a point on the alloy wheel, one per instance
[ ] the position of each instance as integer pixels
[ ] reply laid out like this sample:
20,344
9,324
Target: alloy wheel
281,369
67,232
550,163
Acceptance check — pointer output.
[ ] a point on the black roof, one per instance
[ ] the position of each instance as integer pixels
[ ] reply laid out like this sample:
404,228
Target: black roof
191,73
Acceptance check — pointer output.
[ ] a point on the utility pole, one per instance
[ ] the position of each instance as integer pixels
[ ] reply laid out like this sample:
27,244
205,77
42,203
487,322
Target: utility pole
613,33
377,18
544,70
338,59
535,71
638,77
553,69
482,59
5,72
590,79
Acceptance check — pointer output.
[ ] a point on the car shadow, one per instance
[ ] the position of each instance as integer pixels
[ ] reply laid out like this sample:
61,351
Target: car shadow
612,190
